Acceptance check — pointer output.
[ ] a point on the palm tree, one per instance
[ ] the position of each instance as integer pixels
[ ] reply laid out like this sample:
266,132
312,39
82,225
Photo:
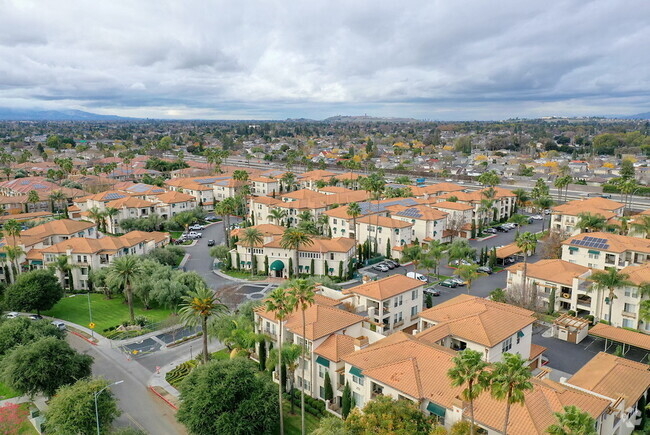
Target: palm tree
468,273
520,220
304,215
627,187
301,295
436,251
58,196
429,262
509,381
527,242
108,215
323,224
644,312
201,304
32,198
610,280
123,273
412,253
641,225
573,422
277,215
184,219
251,238
543,203
484,210
279,304
588,222
290,356
460,250
354,211
12,228
97,216
13,254
293,238
469,371
63,266
522,197
560,183
225,209
288,181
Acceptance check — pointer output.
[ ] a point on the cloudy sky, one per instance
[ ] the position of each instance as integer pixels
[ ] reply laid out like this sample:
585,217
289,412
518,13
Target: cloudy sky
265,59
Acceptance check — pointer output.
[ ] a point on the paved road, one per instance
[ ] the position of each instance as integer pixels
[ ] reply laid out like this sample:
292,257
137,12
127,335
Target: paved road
140,407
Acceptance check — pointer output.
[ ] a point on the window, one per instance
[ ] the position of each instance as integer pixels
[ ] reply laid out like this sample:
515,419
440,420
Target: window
414,294
334,221
321,392
414,311
321,371
398,317
628,323
358,379
398,301
629,308
507,345
633,292
357,399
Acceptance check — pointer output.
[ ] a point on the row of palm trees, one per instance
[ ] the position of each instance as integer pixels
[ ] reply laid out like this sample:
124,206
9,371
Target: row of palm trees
102,217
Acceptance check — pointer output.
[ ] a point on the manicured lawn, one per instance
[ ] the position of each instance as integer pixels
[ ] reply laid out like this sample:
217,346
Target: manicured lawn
26,428
6,392
292,424
220,355
239,274
175,234
106,312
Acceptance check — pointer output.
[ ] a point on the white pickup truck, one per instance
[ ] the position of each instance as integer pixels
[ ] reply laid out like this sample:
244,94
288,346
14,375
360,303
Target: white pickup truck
194,235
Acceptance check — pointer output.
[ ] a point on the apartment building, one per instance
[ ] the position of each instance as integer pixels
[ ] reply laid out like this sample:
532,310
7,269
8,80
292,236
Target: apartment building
601,250
384,233
491,328
625,311
503,203
565,217
392,303
201,188
429,224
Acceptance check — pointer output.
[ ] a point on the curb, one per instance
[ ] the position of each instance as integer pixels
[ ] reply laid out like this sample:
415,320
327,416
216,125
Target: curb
84,338
160,395
230,278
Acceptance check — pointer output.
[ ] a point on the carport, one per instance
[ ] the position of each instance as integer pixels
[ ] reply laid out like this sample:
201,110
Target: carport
625,337
507,251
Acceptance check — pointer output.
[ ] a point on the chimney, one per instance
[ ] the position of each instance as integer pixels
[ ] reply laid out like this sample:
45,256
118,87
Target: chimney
360,342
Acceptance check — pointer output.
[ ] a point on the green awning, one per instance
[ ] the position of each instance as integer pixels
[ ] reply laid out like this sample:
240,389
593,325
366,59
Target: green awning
248,263
356,372
436,409
322,361
572,248
591,251
520,334
277,265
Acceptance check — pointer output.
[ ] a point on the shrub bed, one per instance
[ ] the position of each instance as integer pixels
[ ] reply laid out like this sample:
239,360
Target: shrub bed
313,406
180,372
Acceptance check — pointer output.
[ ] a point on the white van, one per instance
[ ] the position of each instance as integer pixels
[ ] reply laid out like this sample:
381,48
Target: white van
417,276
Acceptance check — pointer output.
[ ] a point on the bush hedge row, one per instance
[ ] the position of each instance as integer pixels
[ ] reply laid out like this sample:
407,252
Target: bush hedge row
313,406
178,373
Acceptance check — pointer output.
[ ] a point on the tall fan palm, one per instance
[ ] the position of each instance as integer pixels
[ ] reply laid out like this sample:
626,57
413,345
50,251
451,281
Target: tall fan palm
279,304
469,371
522,197
527,242
543,203
588,222
199,305
354,211
13,254
63,266
293,238
57,197
32,198
518,219
108,216
277,215
301,296
289,181
290,359
12,229
610,280
573,421
251,238
122,274
436,251
412,253
460,250
509,381
641,225
560,183
225,209
97,216
644,312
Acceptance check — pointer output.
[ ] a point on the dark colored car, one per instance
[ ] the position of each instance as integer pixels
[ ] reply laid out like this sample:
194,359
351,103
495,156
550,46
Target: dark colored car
388,264
35,317
432,291
502,229
448,283
210,242
490,230
393,262
485,269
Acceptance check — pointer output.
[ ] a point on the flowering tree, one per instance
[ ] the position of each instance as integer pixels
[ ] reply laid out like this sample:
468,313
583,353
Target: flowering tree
11,419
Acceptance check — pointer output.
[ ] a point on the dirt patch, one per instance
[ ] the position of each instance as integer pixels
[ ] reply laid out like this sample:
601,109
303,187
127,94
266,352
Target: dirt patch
229,295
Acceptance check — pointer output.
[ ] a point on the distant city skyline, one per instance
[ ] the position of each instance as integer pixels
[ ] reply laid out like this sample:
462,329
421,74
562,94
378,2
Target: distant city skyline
433,60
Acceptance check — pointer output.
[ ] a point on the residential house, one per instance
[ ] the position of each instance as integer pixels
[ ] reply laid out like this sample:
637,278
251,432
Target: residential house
566,216
601,250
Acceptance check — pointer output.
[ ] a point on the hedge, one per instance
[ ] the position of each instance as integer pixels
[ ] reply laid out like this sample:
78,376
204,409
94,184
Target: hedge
313,406
178,373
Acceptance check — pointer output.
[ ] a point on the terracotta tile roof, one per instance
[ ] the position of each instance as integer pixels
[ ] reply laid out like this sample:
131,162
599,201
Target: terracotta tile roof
383,221
265,229
64,227
422,212
335,347
27,216
130,202
443,188
321,320
605,207
386,287
508,250
616,242
638,274
448,205
109,195
324,300
303,194
613,377
474,319
266,200
340,244
621,335
174,197
318,174
82,245
335,189
559,271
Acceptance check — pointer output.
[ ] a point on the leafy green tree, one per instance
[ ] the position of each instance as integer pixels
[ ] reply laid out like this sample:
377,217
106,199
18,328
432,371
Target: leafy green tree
609,280
199,306
469,371
460,250
331,425
468,273
412,253
346,401
573,421
37,290
588,222
43,367
509,381
489,178
329,391
227,397
63,266
498,295
123,273
23,331
72,410
383,414
293,238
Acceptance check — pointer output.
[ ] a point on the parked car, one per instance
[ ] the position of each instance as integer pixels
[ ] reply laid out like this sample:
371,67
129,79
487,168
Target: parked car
460,281
35,317
197,227
417,276
12,315
537,217
509,225
510,260
490,231
485,269
393,262
211,242
59,324
432,291
194,235
380,267
502,229
448,283
211,218
389,265
460,262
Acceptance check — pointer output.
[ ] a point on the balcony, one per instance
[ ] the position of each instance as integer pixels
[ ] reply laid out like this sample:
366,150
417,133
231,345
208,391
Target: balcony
629,314
398,324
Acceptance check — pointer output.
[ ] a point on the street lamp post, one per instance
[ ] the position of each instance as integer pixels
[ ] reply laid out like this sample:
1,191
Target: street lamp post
96,408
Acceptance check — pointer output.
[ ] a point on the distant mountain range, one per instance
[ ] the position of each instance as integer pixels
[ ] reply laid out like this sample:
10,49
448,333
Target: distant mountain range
645,115
366,118
7,114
